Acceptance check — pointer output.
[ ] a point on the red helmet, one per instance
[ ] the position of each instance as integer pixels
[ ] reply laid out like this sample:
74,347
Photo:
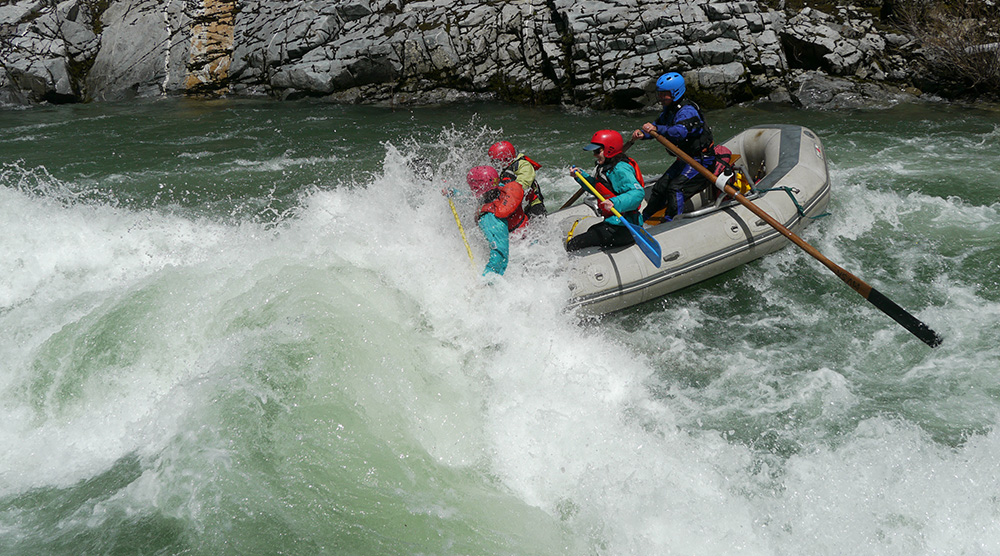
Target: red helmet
610,139
482,178
502,151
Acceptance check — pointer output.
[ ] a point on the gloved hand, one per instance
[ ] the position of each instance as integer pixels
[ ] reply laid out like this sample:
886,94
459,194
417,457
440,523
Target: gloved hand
491,195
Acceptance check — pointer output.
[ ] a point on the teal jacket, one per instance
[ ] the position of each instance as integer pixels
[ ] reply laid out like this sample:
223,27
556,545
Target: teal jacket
628,192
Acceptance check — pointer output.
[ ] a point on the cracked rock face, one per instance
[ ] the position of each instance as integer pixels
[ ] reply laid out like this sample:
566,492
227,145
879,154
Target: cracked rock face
597,53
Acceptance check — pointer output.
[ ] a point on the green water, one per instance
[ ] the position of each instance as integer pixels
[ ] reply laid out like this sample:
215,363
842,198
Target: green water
244,327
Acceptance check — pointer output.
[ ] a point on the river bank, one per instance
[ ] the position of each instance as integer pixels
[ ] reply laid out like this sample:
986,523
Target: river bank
598,54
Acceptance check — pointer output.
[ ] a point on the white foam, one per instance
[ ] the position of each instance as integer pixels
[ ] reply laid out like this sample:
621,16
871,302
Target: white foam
673,434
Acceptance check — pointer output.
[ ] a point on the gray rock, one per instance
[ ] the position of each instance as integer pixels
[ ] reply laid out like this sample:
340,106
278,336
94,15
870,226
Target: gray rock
598,53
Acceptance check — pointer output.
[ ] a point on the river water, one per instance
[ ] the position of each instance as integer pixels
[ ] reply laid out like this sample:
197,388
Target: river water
242,327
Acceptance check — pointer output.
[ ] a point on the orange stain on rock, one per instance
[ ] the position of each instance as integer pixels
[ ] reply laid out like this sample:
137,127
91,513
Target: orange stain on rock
211,47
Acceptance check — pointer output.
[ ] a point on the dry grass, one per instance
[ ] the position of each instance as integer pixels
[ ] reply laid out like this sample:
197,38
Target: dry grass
960,39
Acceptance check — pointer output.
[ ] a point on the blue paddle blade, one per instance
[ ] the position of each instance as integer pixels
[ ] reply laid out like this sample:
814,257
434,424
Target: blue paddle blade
650,247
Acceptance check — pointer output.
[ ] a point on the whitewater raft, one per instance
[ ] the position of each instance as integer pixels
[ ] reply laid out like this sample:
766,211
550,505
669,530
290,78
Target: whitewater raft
788,167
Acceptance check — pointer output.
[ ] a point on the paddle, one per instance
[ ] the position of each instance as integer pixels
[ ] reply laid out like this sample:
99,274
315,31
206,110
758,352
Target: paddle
461,230
883,303
650,247
580,191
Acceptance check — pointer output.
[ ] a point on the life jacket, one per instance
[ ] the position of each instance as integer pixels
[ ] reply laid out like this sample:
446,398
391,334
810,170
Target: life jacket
695,145
638,172
505,203
534,200
723,159
603,185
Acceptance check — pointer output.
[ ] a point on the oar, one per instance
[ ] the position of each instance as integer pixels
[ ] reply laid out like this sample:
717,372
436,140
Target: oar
580,191
650,247
461,230
883,303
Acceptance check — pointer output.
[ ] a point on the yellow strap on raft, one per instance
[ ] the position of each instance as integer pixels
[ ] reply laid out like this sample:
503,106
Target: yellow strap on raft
576,223
741,182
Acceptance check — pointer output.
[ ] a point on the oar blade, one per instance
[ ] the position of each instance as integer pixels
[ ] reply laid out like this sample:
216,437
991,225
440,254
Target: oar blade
647,243
905,319
883,303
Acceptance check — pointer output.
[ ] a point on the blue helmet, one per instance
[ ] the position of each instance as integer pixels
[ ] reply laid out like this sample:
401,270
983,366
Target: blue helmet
672,83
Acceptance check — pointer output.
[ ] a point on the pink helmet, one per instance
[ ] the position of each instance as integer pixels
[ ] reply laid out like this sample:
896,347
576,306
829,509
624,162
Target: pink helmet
502,151
482,178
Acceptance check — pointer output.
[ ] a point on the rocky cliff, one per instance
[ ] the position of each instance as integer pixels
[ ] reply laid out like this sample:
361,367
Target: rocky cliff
597,53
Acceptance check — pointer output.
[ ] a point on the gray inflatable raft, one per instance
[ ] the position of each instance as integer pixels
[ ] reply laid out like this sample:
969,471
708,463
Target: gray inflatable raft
717,235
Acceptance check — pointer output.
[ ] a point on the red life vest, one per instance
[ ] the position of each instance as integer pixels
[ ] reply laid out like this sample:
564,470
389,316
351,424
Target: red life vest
509,172
638,172
534,164
532,192
506,205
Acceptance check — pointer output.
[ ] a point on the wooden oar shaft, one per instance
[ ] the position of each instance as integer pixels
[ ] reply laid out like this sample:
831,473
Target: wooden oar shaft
573,199
856,283
883,303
